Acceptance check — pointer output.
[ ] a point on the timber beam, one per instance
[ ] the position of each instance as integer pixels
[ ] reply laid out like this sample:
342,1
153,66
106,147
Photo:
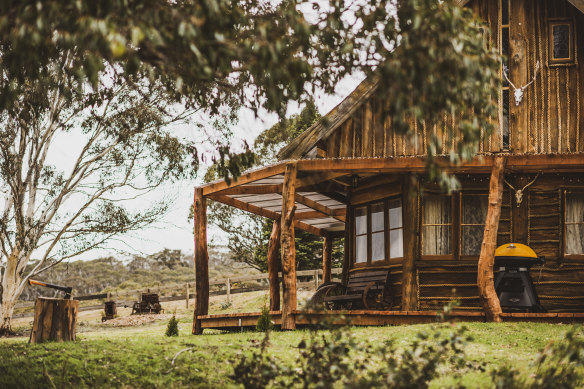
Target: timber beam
318,207
266,213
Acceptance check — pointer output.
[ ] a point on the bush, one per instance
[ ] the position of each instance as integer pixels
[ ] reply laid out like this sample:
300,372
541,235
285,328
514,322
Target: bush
264,321
257,371
172,327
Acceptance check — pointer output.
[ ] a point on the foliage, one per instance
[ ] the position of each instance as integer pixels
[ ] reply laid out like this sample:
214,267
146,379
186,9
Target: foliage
264,321
258,370
249,234
172,327
559,365
137,357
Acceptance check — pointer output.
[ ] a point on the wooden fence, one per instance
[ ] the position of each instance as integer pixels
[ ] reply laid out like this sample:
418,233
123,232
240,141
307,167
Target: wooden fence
223,286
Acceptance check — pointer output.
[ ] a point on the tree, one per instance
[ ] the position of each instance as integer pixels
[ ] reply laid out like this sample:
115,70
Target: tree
248,235
115,72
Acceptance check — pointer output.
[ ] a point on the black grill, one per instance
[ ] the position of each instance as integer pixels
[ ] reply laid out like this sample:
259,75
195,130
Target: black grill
514,285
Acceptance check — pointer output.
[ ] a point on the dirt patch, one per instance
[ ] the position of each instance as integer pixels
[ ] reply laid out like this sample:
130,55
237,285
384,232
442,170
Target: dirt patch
135,320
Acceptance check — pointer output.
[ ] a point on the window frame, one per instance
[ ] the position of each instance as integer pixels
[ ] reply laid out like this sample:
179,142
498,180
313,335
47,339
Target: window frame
563,253
453,223
456,217
387,228
551,23
461,224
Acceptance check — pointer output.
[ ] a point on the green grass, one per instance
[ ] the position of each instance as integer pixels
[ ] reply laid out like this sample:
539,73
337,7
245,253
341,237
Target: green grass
141,356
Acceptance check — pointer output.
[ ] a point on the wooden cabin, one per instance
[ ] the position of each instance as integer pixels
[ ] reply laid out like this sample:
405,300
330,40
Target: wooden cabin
350,175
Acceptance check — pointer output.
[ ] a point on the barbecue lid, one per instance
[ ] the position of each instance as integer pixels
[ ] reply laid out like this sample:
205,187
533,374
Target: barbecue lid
515,250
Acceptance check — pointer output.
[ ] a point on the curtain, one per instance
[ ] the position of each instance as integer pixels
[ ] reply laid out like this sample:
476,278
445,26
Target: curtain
473,218
437,227
574,223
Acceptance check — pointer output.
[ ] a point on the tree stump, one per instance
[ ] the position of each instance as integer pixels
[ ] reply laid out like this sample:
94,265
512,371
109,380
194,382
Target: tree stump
54,320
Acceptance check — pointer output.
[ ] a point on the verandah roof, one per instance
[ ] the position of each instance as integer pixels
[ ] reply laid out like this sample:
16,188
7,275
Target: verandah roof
322,185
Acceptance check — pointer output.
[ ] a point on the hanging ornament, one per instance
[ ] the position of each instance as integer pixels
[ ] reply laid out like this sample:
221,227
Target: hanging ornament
518,92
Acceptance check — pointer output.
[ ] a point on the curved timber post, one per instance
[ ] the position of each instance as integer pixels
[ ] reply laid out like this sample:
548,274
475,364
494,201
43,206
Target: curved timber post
287,248
273,247
485,278
327,253
410,222
201,261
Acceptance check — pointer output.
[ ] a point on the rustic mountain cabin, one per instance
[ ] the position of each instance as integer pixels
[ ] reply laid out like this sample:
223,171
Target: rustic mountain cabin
416,248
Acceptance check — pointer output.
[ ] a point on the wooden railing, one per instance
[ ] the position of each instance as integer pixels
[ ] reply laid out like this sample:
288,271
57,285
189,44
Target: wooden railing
222,286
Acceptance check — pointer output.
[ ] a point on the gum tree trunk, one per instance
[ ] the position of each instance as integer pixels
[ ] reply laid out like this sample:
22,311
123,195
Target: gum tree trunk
486,285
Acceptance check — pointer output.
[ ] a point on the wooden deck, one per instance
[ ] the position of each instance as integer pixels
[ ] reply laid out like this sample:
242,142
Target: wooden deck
236,321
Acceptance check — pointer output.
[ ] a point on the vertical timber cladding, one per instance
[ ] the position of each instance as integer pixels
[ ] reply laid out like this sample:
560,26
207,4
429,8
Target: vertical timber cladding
549,119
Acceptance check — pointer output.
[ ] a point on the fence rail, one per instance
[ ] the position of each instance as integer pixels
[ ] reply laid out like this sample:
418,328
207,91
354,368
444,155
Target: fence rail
175,292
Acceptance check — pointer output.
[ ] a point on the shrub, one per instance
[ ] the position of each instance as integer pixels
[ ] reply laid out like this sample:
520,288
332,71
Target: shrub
172,327
258,370
264,321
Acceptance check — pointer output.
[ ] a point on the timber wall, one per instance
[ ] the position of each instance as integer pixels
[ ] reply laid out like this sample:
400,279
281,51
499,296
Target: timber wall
549,119
538,221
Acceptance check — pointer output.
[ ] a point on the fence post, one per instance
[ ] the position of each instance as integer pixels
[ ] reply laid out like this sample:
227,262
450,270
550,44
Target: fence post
187,300
228,284
316,278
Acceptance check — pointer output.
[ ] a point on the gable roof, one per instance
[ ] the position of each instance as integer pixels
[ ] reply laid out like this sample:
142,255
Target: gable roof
327,124
579,4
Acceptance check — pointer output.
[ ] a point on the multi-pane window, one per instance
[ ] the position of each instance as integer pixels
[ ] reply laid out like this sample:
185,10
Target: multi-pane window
378,231
574,233
437,225
561,41
361,234
473,216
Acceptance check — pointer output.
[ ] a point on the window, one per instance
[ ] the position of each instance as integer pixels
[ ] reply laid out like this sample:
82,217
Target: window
376,224
473,216
574,233
437,225
561,41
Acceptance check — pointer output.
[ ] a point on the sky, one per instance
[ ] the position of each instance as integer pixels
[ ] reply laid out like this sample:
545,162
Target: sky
174,231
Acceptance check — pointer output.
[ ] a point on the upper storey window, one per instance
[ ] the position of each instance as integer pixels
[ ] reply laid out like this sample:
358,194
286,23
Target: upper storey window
561,41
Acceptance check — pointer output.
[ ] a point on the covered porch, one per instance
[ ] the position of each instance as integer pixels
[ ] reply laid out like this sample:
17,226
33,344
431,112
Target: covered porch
314,195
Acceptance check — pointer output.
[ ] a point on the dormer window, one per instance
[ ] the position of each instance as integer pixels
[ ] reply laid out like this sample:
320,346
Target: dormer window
561,42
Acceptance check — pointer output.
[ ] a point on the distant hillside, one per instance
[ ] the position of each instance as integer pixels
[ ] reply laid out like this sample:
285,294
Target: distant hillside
111,274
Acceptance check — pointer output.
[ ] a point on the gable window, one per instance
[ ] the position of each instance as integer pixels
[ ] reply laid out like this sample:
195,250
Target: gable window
437,225
561,42
574,217
376,224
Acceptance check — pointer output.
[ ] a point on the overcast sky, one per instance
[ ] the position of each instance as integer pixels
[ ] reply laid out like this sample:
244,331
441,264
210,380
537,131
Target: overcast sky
174,231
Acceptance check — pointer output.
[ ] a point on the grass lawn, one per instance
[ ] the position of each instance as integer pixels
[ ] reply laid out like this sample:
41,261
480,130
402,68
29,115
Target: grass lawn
141,356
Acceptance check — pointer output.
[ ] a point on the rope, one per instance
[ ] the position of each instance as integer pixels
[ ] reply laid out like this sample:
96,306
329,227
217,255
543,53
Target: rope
417,289
549,86
568,114
577,111
541,146
451,298
557,72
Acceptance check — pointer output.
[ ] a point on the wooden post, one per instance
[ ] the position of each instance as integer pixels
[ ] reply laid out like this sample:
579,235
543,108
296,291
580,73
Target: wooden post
316,279
485,280
228,285
348,246
201,261
410,222
187,295
54,320
273,268
288,249
327,253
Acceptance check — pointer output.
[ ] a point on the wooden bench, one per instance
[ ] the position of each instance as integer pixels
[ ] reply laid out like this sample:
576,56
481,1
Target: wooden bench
371,289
